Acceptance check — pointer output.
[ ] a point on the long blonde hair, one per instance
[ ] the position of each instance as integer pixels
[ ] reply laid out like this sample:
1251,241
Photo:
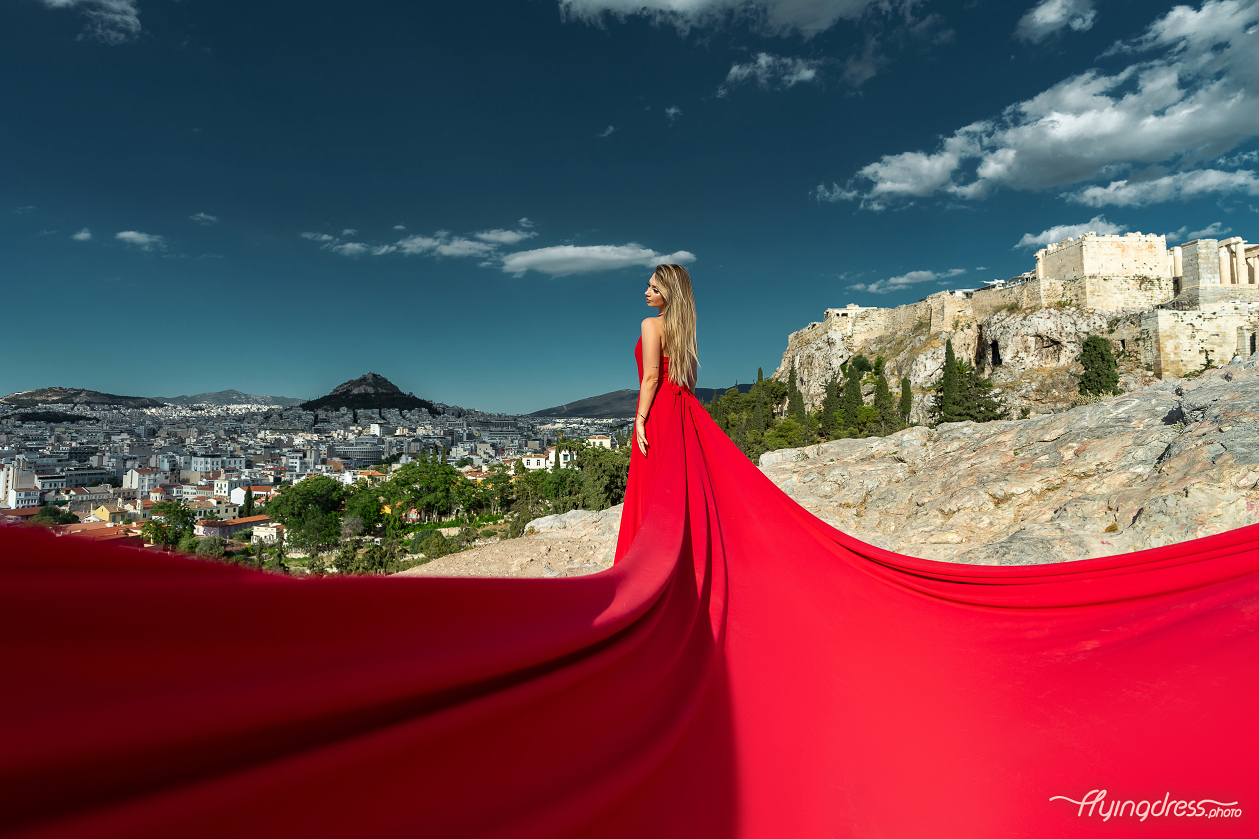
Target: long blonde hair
679,323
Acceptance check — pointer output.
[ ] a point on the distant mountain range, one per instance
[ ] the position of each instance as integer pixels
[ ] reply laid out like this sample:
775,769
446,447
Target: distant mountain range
617,404
231,397
367,392
76,396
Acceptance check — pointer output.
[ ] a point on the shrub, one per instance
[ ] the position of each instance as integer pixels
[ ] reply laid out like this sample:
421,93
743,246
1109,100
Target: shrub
212,546
1101,372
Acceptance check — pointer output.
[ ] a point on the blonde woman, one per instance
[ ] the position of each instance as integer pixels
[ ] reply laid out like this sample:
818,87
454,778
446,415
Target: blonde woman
668,363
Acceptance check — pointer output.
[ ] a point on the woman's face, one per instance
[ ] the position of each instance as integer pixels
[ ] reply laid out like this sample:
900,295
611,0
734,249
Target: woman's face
654,298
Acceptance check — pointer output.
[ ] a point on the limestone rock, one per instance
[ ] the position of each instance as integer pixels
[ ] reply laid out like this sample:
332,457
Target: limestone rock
1168,463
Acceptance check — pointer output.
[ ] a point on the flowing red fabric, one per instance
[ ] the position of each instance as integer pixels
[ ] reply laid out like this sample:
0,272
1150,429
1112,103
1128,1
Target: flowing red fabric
744,670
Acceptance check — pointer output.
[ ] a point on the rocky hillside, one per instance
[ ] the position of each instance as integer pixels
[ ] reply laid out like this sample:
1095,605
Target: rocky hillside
1168,463
1033,363
371,390
1164,464
76,396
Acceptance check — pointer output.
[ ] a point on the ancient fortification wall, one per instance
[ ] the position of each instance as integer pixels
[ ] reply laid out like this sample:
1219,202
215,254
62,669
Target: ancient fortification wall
1200,297
1130,255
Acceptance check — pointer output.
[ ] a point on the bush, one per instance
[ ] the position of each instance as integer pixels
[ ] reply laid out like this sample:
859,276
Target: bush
433,545
1101,372
212,546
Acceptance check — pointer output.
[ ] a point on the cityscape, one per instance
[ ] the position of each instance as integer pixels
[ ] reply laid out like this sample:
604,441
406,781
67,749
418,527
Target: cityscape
109,465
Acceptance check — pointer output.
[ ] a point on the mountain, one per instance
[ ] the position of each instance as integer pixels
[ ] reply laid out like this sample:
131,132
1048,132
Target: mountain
369,391
76,396
617,404
231,397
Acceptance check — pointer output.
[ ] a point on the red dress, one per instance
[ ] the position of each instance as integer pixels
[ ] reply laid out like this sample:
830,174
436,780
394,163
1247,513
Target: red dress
671,399
745,671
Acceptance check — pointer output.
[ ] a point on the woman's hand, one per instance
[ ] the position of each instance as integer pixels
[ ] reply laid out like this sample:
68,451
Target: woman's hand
640,435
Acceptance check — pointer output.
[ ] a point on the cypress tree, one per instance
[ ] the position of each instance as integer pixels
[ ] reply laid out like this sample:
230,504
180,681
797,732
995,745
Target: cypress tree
907,398
795,399
247,509
760,377
832,405
975,401
852,396
758,415
885,404
1101,372
946,407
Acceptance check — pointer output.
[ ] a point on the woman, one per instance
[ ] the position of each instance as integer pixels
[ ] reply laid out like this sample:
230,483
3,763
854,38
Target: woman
668,362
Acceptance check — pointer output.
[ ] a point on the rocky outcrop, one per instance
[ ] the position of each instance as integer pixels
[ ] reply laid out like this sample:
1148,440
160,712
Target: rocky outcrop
1172,462
367,392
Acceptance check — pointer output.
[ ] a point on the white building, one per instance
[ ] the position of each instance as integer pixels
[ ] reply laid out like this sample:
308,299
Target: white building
600,440
142,480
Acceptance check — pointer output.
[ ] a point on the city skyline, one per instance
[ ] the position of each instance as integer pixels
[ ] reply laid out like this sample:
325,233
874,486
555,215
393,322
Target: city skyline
469,199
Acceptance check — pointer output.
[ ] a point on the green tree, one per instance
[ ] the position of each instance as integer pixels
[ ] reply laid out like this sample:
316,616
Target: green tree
177,516
852,395
884,403
947,407
52,515
1101,372
907,398
795,399
831,420
247,508
213,547
319,492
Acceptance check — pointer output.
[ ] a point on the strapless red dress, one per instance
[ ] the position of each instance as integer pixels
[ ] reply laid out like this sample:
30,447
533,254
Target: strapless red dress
671,399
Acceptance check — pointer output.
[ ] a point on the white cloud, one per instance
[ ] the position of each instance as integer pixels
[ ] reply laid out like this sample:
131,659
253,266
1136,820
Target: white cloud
83,235
1191,103
859,69
905,280
1181,186
350,248
561,260
771,17
318,237
204,218
143,241
672,113
1050,17
349,231
505,237
399,227
771,71
524,222
605,132
110,21
1097,224
1211,231
443,243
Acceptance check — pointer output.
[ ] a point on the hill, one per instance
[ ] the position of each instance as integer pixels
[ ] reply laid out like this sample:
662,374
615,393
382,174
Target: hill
617,404
368,391
231,397
57,417
76,396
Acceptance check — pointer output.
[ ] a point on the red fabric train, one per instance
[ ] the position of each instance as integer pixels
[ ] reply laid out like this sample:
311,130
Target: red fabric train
744,670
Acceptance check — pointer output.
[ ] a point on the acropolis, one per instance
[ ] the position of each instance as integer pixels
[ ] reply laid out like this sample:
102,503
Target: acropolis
1172,311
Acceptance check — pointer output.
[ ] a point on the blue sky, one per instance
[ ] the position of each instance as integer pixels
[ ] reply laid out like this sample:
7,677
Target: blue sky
467,197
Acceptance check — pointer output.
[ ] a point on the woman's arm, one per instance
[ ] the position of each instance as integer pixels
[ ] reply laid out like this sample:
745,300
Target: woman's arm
652,335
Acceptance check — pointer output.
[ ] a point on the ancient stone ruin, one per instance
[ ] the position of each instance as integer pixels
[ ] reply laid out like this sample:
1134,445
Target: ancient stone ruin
1166,313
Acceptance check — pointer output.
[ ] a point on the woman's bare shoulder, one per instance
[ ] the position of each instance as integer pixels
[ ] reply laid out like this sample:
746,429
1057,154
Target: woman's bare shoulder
651,326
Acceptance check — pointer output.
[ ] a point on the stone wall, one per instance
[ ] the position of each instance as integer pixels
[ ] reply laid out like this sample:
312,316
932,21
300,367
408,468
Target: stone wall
1123,293
1179,340
1200,263
1130,255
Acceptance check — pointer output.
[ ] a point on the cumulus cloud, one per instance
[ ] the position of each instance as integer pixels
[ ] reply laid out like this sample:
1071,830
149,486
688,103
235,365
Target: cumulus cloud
607,131
1190,103
399,227
505,237
771,71
771,17
204,219
109,21
349,231
1049,17
1181,186
561,260
1211,231
524,222
143,241
672,113
83,235
1097,224
318,237
906,280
